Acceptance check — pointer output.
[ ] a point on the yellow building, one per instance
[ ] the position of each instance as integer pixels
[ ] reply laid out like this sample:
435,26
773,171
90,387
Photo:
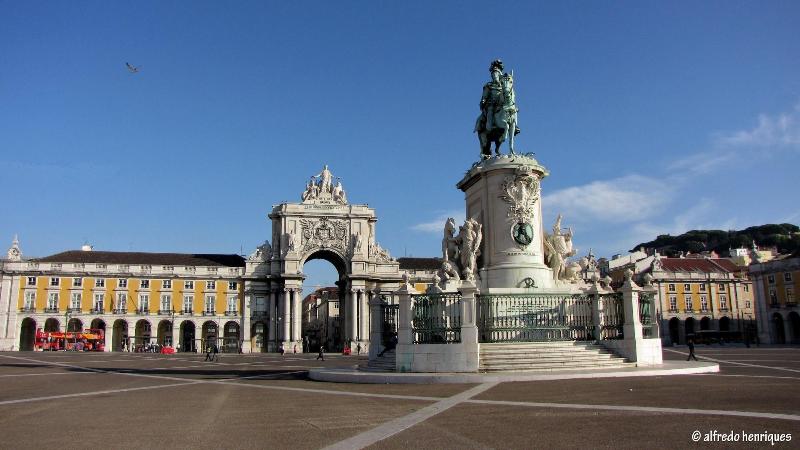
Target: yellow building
777,283
169,299
699,297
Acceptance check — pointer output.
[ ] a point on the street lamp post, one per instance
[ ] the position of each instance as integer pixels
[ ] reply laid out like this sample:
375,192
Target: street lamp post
66,326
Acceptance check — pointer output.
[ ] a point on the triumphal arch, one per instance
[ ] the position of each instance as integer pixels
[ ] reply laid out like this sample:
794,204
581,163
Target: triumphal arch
322,225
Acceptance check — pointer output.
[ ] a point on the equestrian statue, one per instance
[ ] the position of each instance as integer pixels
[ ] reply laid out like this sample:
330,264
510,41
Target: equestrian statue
498,120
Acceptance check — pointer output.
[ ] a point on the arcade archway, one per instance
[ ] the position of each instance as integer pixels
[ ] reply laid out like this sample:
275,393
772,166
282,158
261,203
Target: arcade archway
164,333
52,324
188,343
75,325
230,341
119,336
27,334
674,330
777,326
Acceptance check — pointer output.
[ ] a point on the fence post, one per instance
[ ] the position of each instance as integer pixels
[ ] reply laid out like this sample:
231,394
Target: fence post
469,327
376,306
594,291
405,339
632,329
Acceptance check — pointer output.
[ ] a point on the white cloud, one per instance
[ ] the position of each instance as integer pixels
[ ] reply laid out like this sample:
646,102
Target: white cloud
626,199
776,132
437,225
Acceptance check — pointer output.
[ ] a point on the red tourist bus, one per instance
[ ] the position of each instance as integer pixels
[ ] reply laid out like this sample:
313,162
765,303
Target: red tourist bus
90,340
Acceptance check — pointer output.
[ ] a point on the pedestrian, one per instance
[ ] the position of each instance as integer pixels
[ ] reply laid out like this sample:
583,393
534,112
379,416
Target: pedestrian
208,352
358,348
321,354
215,349
691,350
294,350
281,350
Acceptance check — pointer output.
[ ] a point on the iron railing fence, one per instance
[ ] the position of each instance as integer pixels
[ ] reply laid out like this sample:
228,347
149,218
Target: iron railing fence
390,314
436,318
646,309
534,318
612,316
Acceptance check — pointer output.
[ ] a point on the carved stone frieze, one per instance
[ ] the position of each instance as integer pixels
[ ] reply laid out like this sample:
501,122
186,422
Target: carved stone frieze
324,233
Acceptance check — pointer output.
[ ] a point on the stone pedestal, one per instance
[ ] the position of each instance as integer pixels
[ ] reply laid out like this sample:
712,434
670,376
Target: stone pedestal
503,194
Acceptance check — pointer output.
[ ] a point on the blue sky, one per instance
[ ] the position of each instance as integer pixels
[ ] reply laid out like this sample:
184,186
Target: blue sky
652,117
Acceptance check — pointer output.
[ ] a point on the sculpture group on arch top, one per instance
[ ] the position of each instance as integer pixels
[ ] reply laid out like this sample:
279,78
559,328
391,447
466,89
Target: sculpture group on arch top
323,232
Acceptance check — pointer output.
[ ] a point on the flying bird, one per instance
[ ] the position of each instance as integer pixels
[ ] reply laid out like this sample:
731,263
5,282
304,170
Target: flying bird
132,69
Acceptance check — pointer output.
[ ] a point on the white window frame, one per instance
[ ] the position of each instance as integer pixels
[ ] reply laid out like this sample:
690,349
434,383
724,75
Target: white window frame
723,301
31,281
233,285
688,303
703,303
673,302
773,297
122,283
188,285
75,301
52,301
722,287
233,304
702,287
188,300
771,279
787,277
99,299
55,281
77,282
122,302
166,284
790,294
144,284
166,302
211,285
261,305
211,300
30,299
746,287
747,304
100,283
144,302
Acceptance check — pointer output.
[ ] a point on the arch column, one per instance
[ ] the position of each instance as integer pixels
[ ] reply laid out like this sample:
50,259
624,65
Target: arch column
297,324
363,315
272,323
352,312
286,317
244,326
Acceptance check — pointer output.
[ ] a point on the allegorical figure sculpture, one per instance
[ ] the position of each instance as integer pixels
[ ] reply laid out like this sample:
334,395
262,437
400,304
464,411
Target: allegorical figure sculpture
498,119
320,189
558,247
449,247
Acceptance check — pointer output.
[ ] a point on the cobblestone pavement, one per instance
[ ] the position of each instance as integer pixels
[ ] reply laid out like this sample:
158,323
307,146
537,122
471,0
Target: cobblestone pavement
127,400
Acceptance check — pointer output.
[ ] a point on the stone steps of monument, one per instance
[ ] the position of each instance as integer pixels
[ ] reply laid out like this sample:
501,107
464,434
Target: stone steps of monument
385,363
547,356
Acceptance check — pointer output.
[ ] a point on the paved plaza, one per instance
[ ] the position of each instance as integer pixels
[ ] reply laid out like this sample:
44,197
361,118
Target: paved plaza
127,400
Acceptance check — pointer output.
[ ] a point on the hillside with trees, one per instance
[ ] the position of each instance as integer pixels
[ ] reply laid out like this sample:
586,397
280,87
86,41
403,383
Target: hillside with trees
785,236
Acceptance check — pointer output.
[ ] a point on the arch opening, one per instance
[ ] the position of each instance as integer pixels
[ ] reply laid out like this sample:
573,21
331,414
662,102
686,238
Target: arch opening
27,334
323,315
119,336
777,325
187,343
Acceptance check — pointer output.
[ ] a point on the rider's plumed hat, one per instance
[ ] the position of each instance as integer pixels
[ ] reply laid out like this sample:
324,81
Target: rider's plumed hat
496,65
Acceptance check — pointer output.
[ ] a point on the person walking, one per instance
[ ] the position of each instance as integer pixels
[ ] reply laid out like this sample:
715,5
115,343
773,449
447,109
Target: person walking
358,348
208,352
321,354
215,350
691,350
281,350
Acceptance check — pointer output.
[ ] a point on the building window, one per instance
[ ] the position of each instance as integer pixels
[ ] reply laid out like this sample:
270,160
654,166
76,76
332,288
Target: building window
98,302
54,281
123,283
144,284
122,302
231,305
211,285
746,287
52,301
261,305
673,303
787,276
188,285
166,302
188,301
166,284
687,287
31,281
144,302
232,285
77,282
723,301
100,282
771,279
688,303
773,297
100,266
702,287
747,304
30,300
75,301
703,303
721,287
789,295
210,302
